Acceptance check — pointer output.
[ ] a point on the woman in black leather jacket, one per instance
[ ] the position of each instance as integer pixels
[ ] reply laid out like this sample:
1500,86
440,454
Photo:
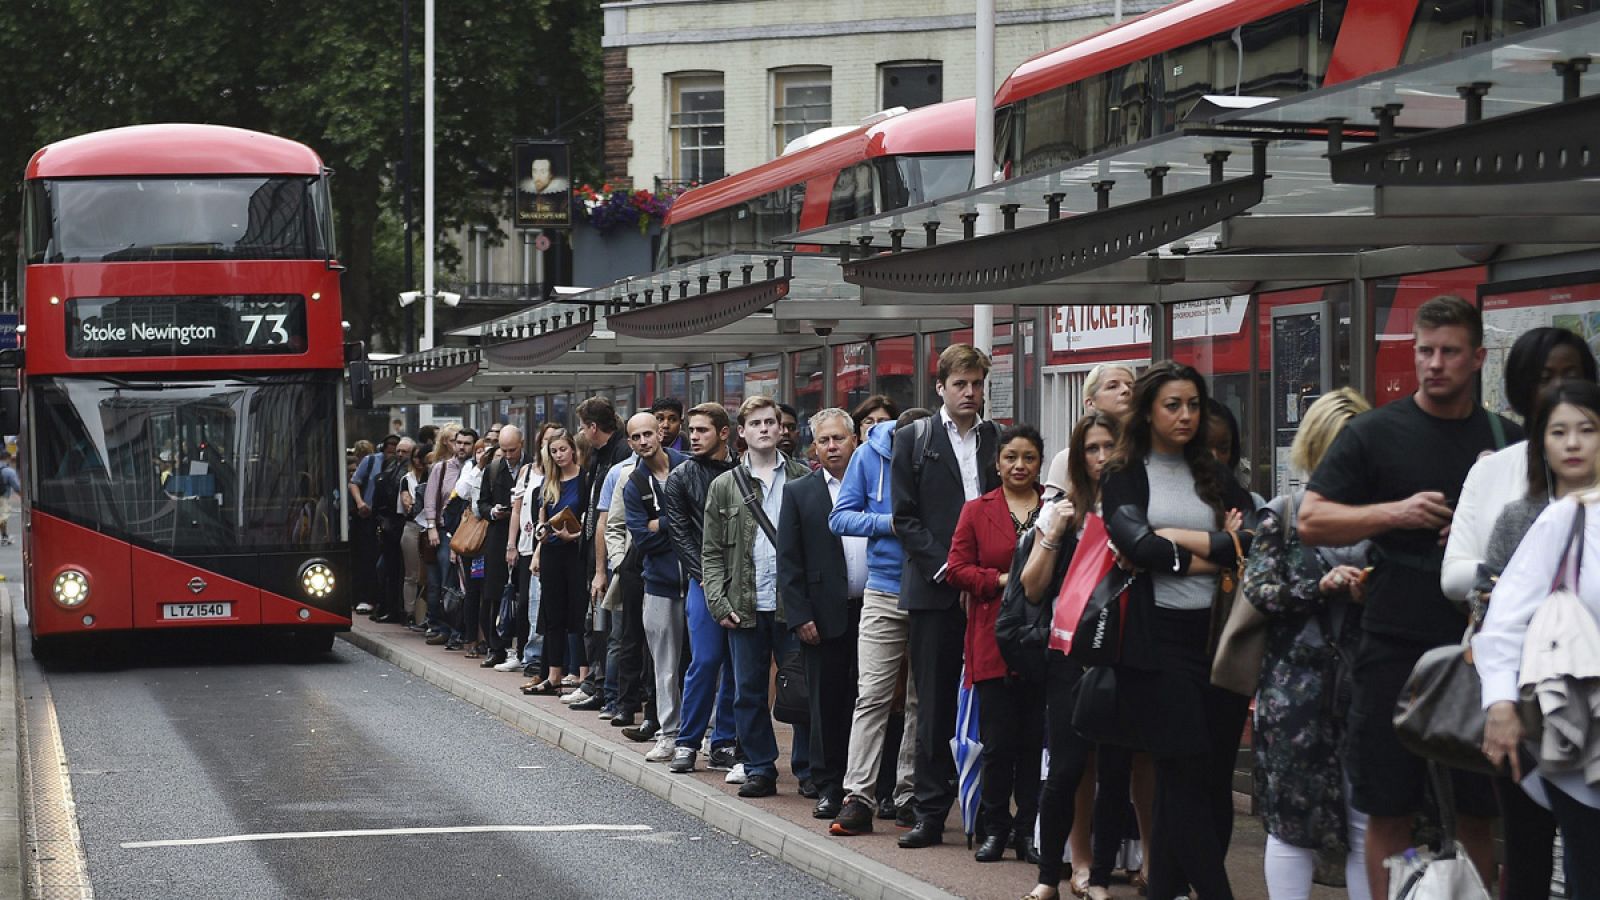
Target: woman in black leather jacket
1174,514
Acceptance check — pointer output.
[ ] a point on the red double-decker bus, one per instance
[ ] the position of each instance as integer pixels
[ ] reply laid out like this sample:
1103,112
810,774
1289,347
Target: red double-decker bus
181,363
898,160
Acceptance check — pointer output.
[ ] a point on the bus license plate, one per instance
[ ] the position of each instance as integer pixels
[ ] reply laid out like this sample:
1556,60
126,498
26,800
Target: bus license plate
222,610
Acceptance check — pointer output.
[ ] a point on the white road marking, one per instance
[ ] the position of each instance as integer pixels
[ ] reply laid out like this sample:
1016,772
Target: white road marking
374,832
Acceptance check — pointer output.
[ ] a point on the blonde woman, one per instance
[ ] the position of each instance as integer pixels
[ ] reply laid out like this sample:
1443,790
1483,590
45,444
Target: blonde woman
558,562
1312,603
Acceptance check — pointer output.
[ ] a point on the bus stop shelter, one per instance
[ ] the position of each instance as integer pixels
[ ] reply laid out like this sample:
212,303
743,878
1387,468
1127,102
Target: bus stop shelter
1488,155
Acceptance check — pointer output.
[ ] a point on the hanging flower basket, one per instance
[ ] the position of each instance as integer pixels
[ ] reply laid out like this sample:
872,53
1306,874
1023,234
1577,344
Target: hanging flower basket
608,209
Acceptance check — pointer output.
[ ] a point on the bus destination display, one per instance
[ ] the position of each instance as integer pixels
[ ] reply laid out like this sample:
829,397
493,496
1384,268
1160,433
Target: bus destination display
109,327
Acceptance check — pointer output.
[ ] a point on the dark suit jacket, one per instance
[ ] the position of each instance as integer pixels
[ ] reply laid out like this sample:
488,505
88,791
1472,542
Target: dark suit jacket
498,480
811,569
926,509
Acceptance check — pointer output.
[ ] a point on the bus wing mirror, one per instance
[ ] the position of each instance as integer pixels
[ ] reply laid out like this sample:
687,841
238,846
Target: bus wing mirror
354,351
10,410
360,385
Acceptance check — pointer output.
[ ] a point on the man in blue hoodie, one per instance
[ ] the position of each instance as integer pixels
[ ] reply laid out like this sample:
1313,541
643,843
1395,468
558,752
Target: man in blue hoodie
865,508
664,580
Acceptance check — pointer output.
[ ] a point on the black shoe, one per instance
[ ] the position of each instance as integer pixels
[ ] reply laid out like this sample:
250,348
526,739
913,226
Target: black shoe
993,848
436,640
886,808
905,816
453,646
826,808
534,669
1027,850
594,702
855,817
388,619
622,720
808,789
722,758
495,659
758,786
642,732
925,834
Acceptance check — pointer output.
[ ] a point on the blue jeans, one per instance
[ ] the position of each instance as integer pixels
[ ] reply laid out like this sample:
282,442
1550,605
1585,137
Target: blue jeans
753,650
613,678
534,648
438,565
708,646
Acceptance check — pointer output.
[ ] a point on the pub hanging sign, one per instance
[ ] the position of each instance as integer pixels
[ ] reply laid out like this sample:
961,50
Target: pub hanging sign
543,184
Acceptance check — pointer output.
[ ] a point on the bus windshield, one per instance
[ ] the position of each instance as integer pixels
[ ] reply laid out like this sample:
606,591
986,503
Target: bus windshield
83,220
192,466
912,180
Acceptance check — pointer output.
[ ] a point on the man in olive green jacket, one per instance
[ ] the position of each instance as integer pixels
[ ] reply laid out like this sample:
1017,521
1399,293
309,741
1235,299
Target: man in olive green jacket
739,564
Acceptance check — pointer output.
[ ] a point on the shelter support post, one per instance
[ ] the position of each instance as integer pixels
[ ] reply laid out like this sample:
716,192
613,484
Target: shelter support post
1363,339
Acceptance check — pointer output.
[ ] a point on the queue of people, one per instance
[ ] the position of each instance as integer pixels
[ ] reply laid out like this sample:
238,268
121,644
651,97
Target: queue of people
915,564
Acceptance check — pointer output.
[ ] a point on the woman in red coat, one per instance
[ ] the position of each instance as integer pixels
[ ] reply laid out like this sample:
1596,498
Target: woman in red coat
1010,712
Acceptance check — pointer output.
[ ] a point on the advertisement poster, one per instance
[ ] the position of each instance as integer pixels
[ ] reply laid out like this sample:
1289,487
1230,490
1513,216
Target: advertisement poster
544,184
1575,307
1297,381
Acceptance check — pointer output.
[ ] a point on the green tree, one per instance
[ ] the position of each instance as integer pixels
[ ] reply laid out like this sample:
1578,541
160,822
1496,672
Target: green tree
328,76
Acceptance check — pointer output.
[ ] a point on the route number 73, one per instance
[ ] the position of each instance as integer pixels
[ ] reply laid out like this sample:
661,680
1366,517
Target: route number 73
275,334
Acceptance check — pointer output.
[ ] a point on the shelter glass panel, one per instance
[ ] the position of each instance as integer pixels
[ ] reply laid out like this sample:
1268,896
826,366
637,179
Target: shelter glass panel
1397,301
852,374
733,384
895,365
761,376
807,367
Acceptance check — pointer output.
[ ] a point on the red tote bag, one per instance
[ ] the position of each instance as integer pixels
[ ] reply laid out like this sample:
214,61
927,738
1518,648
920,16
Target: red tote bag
1093,603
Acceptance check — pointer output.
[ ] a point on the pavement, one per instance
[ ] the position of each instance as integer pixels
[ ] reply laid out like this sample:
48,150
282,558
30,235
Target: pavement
868,866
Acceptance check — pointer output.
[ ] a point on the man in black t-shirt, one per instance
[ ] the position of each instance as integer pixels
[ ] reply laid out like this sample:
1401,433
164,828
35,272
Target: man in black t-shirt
1392,476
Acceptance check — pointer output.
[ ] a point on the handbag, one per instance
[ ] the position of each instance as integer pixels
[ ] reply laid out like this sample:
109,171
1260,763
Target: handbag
1424,875
1022,629
1242,641
451,595
1093,602
792,703
469,535
1099,714
1439,715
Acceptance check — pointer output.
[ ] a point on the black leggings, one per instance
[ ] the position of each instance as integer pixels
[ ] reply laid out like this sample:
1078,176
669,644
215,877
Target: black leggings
1194,805
1113,809
1069,756
471,612
563,601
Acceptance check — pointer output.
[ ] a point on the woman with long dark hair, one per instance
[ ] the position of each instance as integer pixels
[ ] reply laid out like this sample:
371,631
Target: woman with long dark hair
1563,444
1041,566
1174,513
1539,358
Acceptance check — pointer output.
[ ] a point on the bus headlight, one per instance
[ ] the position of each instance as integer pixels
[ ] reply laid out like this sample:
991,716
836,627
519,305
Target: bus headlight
71,589
316,579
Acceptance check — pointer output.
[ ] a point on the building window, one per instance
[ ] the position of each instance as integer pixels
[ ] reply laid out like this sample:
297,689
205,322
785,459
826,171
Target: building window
912,84
802,102
695,128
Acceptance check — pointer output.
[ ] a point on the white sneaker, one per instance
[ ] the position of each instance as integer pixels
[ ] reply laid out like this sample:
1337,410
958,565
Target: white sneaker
736,774
363,608
577,696
512,664
662,751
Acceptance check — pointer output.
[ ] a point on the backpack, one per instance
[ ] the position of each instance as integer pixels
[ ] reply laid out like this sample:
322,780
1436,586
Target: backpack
1022,629
386,490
